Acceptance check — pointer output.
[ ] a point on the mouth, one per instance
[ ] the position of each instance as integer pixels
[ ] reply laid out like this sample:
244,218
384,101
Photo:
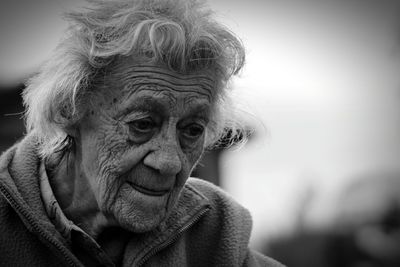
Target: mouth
148,191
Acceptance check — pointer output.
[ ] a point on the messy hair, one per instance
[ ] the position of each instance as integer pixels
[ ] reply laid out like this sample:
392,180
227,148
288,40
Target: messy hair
180,34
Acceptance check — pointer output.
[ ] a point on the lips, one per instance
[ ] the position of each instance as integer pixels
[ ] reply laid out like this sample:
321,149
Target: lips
148,191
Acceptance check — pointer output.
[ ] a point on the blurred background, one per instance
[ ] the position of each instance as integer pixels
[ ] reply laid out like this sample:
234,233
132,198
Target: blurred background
321,172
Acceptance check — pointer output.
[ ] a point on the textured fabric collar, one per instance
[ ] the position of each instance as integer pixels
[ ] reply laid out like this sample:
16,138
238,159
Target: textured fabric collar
54,211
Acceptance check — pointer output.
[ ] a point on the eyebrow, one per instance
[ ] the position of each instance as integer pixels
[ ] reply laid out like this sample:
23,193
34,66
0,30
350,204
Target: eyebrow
197,107
144,104
199,110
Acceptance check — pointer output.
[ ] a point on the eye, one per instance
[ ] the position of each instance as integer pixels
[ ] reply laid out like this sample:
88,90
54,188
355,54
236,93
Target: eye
142,126
193,131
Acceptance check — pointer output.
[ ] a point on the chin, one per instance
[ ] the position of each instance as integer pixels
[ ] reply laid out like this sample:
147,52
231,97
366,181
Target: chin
140,224
139,213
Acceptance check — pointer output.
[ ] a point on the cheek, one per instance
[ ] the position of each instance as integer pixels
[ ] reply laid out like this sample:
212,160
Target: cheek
102,151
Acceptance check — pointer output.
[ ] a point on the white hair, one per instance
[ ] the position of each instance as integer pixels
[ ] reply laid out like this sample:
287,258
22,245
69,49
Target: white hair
181,34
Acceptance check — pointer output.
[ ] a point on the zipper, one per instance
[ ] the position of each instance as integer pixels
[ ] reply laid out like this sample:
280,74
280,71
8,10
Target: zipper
172,239
35,225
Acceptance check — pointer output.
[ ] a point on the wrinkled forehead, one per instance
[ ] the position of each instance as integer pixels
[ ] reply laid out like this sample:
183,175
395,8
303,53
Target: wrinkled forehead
133,78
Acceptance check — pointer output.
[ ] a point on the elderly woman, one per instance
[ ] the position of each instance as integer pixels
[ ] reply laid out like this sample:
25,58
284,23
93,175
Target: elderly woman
117,119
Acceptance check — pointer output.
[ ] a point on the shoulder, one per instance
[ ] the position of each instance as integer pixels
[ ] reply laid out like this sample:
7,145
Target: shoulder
213,192
225,228
221,201
229,224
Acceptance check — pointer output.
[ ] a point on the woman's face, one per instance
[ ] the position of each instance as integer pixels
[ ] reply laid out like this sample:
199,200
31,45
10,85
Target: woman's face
142,136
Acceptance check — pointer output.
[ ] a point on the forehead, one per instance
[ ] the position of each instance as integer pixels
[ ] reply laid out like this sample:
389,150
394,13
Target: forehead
155,78
149,82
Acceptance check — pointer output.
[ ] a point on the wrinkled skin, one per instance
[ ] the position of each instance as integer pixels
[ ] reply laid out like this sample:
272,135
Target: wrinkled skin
135,148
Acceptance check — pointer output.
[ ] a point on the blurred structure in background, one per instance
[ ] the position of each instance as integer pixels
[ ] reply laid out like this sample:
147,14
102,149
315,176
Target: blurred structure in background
365,230
323,81
209,167
11,112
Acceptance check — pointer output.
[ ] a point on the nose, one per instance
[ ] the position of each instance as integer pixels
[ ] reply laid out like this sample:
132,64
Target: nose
166,160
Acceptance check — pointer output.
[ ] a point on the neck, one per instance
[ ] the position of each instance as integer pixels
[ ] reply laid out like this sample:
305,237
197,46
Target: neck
74,194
